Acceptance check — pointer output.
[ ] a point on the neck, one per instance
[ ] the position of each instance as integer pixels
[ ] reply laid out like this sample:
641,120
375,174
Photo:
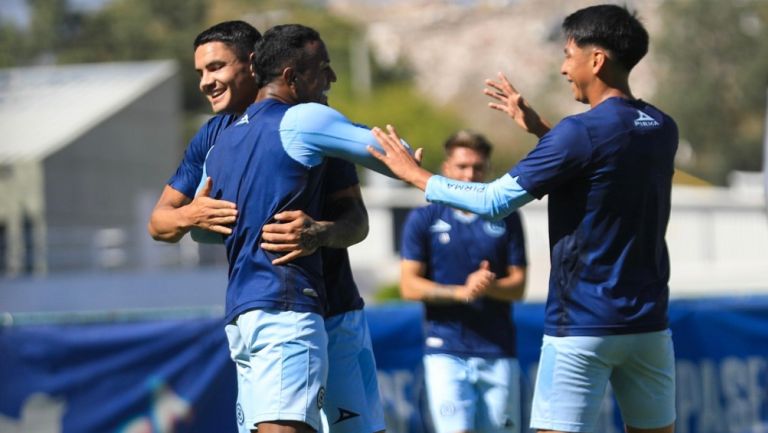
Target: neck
603,89
277,91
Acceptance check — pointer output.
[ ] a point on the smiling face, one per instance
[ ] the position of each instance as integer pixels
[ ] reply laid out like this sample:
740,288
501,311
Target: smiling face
314,81
225,80
466,165
578,68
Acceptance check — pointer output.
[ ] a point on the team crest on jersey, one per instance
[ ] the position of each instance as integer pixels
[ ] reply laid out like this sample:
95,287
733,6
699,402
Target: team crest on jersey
645,121
444,238
494,228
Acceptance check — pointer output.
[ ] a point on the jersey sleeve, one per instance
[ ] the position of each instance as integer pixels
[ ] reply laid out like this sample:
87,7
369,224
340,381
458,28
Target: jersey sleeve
190,170
339,175
516,255
560,155
415,237
310,132
490,200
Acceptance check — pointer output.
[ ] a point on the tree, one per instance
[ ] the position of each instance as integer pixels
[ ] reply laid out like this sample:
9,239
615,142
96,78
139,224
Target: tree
714,85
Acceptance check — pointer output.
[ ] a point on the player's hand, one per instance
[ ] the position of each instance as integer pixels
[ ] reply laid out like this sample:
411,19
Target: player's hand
511,102
398,158
477,283
210,214
294,233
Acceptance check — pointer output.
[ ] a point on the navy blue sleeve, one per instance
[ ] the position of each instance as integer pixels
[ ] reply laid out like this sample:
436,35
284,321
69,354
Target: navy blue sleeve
516,255
560,155
339,175
415,240
190,170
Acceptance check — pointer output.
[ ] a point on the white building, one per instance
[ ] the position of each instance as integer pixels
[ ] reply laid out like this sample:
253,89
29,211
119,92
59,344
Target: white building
84,149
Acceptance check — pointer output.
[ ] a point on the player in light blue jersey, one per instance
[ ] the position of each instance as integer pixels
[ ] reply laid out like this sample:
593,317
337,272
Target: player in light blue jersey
467,271
222,57
269,162
608,174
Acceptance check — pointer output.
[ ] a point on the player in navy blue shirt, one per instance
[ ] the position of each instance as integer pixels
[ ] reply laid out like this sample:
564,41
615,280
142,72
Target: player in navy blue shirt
222,59
270,161
608,174
467,270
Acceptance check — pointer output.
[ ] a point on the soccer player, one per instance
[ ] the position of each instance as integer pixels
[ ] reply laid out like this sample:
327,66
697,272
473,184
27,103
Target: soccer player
608,173
467,271
269,162
222,57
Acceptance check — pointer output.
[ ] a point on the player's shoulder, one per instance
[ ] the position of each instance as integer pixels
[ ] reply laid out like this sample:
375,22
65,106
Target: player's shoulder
219,121
311,109
423,213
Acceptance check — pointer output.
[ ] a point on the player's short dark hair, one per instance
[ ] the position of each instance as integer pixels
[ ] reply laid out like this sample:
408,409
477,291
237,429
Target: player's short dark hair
281,47
239,36
469,139
611,27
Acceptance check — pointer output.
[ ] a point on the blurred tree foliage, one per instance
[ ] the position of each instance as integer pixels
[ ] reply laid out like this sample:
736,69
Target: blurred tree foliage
131,30
716,59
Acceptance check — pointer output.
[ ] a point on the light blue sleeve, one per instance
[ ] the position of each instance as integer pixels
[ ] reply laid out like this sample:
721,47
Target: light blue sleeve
310,132
199,235
490,200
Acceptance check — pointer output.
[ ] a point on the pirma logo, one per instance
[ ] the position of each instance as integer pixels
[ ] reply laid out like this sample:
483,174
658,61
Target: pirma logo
645,121
345,414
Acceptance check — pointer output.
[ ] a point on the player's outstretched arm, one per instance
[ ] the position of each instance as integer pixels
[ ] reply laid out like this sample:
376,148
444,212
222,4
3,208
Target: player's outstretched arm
296,234
490,200
175,214
511,102
311,132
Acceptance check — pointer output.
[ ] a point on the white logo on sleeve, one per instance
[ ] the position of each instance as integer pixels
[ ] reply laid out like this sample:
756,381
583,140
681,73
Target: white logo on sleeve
645,121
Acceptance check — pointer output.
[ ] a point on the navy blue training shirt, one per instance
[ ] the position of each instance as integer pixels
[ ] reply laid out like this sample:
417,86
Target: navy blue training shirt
343,294
272,159
608,173
452,245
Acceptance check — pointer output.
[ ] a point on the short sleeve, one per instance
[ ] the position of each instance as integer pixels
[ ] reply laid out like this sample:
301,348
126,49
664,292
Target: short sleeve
339,175
190,170
562,154
415,238
516,255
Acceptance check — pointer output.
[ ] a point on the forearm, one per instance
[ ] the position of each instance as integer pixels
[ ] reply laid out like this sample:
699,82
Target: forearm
506,290
489,200
345,231
416,288
168,224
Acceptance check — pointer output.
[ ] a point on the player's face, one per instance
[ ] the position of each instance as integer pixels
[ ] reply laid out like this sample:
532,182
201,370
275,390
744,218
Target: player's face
225,80
314,82
578,69
466,165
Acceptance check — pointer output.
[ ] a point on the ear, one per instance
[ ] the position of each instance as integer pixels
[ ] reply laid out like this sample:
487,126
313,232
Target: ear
289,75
599,60
251,60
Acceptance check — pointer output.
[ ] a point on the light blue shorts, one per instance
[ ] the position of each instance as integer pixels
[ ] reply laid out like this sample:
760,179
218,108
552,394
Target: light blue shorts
469,393
282,364
574,372
352,403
